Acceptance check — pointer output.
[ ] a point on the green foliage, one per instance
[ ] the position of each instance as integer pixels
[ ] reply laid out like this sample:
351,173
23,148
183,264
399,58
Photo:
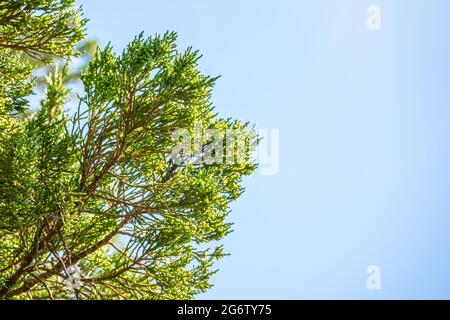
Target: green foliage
101,190
85,50
40,27
35,28
15,81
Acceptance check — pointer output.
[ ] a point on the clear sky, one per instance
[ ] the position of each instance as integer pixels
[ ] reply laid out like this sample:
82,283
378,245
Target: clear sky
364,120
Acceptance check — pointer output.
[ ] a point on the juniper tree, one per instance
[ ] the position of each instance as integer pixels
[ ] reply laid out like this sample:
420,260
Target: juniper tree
93,204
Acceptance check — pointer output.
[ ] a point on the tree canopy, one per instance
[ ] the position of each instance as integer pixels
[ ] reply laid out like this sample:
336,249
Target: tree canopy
95,204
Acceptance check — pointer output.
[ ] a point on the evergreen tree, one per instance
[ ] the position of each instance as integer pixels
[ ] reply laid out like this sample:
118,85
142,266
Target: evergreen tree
95,205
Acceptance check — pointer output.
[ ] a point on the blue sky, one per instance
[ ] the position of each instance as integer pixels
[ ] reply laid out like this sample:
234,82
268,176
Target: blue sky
364,120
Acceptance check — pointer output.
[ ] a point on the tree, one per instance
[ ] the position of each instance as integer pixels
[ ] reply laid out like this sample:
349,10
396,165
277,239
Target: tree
96,205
